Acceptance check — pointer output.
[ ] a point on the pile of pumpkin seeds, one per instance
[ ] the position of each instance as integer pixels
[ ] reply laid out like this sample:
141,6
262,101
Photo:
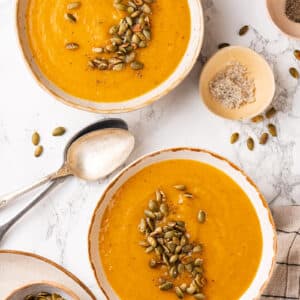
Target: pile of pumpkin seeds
173,252
35,139
44,296
132,32
263,139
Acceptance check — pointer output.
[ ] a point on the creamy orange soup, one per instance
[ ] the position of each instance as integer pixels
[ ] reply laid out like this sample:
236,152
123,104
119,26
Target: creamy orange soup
49,31
231,235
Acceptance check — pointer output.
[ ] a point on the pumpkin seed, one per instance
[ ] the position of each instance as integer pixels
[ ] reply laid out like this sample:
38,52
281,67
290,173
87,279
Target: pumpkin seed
113,29
136,65
191,289
264,138
98,50
149,214
198,262
70,17
199,296
166,286
153,205
183,287
152,241
234,137
188,195
179,187
58,131
297,54
147,34
142,226
272,130
135,39
294,72
257,119
201,216
223,45
164,208
197,249
130,57
118,67
250,143
72,46
73,5
243,30
111,48
35,138
120,6
179,292
38,151
142,44
271,113
173,258
146,8
173,272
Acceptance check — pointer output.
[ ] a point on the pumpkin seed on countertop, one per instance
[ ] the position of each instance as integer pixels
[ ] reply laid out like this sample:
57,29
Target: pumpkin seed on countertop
35,138
58,131
264,138
234,137
73,5
272,129
243,30
271,113
38,151
72,46
294,72
250,143
223,45
297,54
257,119
70,17
201,216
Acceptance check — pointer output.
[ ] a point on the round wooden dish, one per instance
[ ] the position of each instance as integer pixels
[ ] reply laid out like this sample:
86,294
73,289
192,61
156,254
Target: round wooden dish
265,218
258,68
276,10
38,287
184,67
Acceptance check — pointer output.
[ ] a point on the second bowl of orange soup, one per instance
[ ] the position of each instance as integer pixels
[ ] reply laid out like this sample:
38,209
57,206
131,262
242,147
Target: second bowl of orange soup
182,223
110,56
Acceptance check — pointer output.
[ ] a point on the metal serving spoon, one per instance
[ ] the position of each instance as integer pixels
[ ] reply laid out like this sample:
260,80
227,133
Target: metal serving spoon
93,153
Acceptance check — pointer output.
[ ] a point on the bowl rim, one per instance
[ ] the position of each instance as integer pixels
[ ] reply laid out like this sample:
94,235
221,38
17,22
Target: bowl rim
232,47
52,263
288,35
52,284
178,149
144,103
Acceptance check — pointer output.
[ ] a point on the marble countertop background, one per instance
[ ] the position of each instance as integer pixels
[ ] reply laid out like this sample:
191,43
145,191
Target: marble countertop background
57,227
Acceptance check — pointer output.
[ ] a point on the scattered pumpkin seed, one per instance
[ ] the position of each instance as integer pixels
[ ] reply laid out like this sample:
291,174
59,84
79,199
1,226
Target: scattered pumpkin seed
264,138
58,131
73,5
257,119
297,54
35,138
72,46
201,216
188,195
180,187
223,45
271,113
272,129
98,50
70,17
294,72
234,137
38,151
243,30
250,143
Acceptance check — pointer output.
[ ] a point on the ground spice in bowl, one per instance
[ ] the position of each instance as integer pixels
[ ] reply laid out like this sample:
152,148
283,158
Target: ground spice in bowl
232,86
292,10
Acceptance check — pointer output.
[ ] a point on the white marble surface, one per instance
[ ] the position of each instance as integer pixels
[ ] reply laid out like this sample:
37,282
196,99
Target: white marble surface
57,228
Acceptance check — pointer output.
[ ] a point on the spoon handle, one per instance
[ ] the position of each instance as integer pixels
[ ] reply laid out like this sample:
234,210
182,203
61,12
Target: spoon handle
5,199
5,227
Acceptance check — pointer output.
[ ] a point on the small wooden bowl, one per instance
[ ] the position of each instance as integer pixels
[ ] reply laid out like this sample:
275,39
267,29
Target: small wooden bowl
276,10
44,286
181,71
267,226
260,71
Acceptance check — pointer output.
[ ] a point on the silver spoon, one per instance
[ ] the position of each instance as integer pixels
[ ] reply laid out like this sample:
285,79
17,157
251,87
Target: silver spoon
93,153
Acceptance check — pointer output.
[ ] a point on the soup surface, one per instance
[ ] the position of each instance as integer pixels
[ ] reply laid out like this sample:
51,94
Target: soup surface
49,31
231,235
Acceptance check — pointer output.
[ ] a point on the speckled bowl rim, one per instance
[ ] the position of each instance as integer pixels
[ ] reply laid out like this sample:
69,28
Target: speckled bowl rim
249,116
143,103
52,263
294,37
61,287
178,149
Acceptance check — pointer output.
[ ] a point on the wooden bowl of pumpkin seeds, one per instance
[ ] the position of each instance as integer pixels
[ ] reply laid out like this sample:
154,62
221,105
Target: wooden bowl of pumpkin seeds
42,291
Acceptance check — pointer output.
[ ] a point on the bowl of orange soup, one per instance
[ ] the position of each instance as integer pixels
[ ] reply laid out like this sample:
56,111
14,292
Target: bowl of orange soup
182,223
110,56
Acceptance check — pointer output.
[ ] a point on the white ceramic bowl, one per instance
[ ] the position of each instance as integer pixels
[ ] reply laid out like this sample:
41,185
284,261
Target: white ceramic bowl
35,288
259,203
184,67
